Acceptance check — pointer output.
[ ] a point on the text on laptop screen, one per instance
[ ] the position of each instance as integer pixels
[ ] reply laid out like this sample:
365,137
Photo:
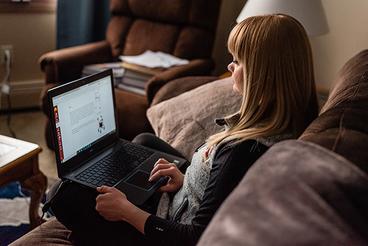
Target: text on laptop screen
83,116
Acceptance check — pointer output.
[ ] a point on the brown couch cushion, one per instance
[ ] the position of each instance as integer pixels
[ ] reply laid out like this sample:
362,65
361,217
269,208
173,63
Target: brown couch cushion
50,233
187,120
130,120
187,27
342,124
297,193
201,13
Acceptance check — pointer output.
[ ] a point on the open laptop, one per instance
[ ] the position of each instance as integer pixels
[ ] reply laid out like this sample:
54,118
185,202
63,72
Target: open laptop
88,148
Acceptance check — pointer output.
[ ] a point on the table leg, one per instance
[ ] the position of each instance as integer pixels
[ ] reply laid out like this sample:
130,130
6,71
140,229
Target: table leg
37,184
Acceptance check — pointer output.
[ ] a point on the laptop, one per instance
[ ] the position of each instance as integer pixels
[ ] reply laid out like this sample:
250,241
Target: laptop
88,149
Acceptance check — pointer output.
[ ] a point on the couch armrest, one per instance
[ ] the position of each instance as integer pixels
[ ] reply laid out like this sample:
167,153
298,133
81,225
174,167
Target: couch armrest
194,67
179,86
66,64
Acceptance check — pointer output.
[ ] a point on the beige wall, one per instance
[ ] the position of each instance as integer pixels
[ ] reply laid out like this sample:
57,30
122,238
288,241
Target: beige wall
348,35
31,35
34,34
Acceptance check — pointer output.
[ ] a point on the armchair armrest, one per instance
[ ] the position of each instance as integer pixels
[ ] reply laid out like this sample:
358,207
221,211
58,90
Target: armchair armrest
66,64
194,67
179,86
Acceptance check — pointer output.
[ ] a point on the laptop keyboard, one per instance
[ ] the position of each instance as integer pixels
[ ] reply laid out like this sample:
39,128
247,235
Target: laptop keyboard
115,166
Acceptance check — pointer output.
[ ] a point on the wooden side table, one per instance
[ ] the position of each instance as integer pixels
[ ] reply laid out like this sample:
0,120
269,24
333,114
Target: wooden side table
19,162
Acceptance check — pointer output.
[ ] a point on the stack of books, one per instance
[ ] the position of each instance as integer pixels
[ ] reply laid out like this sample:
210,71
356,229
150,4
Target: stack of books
129,77
133,73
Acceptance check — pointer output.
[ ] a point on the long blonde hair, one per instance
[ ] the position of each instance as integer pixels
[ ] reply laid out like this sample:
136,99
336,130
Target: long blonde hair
278,78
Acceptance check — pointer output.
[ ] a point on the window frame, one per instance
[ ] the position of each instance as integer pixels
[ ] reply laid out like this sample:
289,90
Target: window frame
33,6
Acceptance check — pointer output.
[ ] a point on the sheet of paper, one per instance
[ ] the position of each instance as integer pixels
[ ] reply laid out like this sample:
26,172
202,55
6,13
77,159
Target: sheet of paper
154,59
5,148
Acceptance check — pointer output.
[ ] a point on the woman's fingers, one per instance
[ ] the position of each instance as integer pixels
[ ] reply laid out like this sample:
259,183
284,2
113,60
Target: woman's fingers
162,161
160,164
162,172
164,168
159,167
104,189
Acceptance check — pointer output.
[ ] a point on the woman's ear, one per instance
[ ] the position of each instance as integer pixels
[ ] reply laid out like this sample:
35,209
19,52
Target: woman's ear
230,67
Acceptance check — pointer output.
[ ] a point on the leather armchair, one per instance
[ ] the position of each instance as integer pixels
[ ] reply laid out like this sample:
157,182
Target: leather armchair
183,28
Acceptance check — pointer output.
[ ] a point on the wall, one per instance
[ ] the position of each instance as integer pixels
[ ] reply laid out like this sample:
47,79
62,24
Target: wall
348,35
34,34
31,35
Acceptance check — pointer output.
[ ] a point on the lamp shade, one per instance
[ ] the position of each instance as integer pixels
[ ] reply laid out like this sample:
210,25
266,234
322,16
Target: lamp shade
309,13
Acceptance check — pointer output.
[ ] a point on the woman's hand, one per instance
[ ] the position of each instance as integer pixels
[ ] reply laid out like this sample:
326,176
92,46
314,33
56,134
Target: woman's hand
164,168
113,205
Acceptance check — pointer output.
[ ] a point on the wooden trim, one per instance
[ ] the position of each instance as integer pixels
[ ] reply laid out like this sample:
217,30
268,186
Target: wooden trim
34,6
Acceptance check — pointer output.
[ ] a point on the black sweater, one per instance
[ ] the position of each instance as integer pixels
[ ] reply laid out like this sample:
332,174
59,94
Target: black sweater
230,164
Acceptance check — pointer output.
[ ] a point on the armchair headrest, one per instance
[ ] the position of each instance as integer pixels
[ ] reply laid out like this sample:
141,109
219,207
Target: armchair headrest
200,13
183,28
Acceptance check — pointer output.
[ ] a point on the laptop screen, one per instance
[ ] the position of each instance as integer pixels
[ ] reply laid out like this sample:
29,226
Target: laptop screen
83,116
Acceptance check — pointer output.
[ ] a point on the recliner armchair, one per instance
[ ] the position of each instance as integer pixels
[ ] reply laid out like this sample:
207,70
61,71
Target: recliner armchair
183,28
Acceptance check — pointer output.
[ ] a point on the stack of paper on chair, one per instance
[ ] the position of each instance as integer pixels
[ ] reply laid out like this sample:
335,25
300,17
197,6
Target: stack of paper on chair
133,73
152,59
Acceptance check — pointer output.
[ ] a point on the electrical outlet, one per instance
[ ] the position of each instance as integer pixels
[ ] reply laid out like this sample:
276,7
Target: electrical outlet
5,88
3,50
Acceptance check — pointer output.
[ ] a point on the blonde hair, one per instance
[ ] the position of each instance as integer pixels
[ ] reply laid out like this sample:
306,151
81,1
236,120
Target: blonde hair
278,78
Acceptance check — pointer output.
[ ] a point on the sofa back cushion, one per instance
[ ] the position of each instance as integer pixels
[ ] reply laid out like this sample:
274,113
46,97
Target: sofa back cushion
343,122
183,28
297,193
187,120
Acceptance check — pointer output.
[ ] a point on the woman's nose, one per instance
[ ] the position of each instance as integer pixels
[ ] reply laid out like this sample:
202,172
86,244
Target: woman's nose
230,67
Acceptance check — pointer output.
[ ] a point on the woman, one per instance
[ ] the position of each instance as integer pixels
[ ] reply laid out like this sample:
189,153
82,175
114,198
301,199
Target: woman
273,71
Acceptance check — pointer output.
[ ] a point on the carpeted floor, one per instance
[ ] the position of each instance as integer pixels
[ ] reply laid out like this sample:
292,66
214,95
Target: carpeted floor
14,220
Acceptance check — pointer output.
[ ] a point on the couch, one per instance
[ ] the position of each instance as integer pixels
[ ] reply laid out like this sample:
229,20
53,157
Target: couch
310,191
185,29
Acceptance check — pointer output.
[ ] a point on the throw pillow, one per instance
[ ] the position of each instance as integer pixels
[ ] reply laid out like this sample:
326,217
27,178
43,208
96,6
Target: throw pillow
187,120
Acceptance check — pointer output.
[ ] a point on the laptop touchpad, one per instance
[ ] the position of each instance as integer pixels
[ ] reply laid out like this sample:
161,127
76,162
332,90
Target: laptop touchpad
140,179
